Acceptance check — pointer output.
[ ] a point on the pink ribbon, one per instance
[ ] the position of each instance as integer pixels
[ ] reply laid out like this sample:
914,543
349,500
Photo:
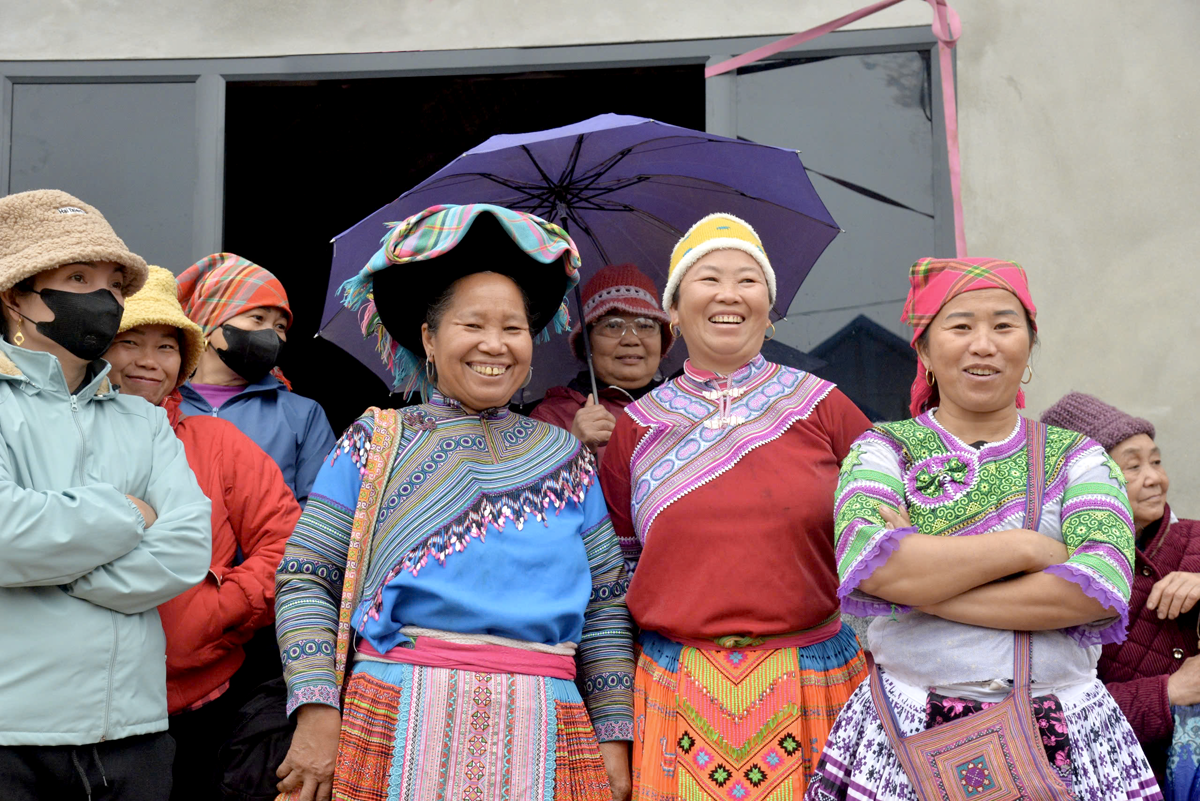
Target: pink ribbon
946,28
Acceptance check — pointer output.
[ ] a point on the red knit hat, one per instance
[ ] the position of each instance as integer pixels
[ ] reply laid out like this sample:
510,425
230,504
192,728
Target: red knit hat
625,288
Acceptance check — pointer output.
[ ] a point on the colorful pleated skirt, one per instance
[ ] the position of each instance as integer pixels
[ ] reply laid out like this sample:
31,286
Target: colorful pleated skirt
736,725
859,763
414,732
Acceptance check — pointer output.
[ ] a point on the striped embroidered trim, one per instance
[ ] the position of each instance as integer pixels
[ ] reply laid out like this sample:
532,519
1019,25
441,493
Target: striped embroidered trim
553,491
682,452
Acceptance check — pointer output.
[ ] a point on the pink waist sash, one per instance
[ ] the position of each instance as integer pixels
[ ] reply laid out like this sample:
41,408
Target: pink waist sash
796,639
478,658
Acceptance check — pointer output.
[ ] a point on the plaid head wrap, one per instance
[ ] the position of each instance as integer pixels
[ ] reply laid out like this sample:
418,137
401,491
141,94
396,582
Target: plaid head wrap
223,285
434,232
219,287
933,282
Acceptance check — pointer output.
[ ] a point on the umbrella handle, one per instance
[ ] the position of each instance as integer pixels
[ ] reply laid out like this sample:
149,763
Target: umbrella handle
587,345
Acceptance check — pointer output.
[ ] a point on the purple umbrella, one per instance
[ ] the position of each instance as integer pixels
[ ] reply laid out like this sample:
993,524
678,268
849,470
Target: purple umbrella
626,188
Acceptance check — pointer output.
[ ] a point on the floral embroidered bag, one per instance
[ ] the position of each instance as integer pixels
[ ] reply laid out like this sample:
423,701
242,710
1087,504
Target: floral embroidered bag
995,754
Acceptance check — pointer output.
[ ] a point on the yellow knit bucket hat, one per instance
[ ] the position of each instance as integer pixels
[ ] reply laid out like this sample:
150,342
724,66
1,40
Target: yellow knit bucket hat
156,304
715,232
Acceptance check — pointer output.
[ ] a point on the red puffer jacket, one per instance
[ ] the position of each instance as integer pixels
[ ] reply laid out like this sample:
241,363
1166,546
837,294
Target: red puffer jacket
1136,671
252,510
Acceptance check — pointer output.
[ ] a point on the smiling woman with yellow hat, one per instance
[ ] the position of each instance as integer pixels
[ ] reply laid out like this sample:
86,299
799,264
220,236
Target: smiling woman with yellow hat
253,513
720,486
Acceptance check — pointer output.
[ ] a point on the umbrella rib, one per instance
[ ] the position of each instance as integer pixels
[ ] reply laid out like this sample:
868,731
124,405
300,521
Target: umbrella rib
588,231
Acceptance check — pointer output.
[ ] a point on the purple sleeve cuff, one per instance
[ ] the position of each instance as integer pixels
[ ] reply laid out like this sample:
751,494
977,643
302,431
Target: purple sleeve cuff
877,553
320,694
614,730
1101,632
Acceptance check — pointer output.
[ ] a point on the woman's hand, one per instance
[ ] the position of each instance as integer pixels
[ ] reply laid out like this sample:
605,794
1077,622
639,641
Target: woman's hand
1183,687
894,519
1043,551
1174,594
143,507
593,425
308,766
616,765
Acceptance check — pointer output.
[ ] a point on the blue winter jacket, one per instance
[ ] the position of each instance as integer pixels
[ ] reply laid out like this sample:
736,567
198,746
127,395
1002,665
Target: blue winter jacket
84,657
292,429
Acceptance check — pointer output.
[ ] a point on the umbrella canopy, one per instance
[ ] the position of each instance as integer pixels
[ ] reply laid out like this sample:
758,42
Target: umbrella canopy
626,188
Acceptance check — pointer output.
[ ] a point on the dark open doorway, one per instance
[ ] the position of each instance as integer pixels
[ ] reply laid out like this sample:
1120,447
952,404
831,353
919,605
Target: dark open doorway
305,160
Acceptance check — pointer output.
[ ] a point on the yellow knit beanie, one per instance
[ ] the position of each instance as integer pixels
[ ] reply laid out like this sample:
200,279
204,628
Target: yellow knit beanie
715,232
156,304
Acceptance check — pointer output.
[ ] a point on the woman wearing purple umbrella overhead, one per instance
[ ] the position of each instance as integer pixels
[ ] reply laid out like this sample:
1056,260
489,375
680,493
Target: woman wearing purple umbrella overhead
490,570
719,486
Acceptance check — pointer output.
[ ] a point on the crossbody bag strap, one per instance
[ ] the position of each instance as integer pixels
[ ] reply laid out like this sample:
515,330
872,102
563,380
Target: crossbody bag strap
1035,490
384,442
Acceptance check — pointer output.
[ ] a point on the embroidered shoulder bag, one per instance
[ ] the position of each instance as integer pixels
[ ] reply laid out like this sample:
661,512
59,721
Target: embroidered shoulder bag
995,754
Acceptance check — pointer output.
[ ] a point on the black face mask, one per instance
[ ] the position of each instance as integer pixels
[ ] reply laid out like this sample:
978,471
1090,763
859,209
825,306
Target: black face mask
85,323
250,354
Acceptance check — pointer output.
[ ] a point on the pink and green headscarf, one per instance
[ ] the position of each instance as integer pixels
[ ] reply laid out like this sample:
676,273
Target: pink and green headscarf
933,283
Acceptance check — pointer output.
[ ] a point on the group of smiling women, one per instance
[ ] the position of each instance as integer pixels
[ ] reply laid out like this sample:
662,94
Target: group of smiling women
637,591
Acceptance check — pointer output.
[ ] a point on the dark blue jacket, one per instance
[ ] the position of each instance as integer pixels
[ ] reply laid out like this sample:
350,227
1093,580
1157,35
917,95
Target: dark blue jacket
292,429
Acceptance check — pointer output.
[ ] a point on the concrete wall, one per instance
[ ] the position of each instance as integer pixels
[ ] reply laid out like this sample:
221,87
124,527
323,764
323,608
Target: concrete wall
91,29
1078,124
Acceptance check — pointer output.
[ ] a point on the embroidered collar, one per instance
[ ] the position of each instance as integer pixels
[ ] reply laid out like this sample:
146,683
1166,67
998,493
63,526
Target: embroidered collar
701,424
443,406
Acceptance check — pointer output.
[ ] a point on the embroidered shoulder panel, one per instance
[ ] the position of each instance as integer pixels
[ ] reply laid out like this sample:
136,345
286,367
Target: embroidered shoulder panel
698,431
953,489
457,476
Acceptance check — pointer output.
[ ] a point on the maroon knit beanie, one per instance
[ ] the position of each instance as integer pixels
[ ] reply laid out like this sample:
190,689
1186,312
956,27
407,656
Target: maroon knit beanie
622,288
1089,415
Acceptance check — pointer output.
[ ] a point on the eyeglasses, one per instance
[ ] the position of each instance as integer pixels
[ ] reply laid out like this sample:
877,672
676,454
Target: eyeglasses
615,327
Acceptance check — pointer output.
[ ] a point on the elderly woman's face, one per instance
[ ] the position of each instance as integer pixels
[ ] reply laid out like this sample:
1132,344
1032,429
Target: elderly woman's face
626,349
978,347
1146,478
722,310
482,346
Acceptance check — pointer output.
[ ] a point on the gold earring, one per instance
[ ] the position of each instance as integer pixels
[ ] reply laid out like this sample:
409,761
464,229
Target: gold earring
19,338
769,338
676,331
1029,368
930,378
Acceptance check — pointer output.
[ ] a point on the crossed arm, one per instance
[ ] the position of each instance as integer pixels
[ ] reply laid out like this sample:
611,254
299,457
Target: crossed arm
964,579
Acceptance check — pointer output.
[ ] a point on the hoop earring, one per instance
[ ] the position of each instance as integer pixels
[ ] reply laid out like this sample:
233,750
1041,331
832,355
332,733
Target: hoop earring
930,378
528,378
19,338
676,331
1029,368
430,371
769,338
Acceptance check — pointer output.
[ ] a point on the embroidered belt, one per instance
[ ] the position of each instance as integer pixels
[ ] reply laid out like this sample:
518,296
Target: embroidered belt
826,629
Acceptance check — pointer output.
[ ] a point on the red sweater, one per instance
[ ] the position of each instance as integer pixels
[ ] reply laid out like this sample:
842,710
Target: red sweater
750,552
1136,671
252,509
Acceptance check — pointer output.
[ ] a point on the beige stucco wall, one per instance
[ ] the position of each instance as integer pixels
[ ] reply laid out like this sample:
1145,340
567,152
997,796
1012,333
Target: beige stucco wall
87,29
1080,126
1078,119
